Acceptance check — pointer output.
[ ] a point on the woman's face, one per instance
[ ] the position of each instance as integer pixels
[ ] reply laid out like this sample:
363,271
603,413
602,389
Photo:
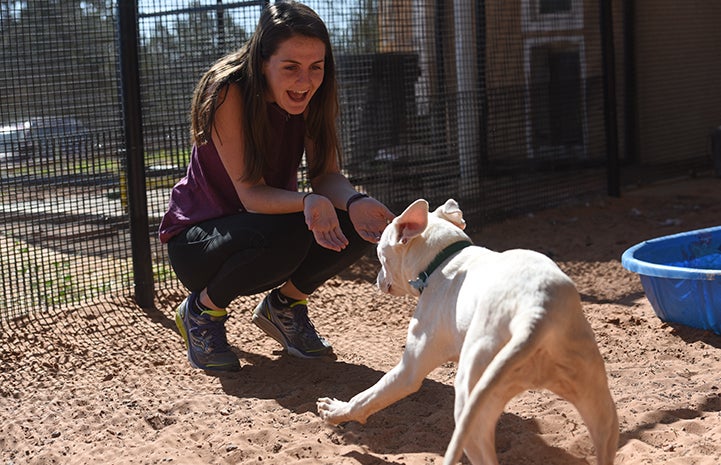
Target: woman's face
294,73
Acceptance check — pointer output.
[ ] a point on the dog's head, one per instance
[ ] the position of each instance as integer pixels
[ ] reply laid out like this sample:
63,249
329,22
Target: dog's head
412,240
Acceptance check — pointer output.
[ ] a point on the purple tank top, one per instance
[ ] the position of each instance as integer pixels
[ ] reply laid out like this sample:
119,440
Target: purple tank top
206,191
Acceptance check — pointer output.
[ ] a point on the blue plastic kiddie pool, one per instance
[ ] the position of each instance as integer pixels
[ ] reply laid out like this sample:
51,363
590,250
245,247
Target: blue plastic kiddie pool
681,276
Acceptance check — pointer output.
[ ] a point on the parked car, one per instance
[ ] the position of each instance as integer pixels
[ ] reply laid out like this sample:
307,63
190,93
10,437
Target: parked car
43,137
12,142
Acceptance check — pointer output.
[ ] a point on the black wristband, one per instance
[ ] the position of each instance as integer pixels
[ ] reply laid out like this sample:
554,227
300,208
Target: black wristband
306,195
353,198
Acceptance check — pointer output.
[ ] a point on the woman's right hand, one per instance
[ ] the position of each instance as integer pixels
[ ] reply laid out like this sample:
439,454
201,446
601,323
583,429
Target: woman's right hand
321,219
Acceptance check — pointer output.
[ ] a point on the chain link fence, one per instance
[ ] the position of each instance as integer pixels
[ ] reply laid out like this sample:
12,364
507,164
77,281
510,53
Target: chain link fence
505,106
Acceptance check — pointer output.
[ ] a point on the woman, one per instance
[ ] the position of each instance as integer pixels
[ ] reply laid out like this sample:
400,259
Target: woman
236,223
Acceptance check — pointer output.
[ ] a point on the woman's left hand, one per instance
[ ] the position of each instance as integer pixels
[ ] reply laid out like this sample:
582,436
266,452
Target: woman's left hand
369,218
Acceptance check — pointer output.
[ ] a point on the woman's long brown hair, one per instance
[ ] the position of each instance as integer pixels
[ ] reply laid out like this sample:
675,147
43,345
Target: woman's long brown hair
278,23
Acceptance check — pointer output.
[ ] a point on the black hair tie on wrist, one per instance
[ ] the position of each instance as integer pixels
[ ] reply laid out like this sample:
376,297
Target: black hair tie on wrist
306,195
353,198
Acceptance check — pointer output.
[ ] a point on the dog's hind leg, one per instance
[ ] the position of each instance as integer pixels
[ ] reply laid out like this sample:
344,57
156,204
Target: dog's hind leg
497,383
586,387
480,444
578,374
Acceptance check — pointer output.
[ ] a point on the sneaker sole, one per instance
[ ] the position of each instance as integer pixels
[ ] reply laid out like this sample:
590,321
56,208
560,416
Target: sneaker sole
271,330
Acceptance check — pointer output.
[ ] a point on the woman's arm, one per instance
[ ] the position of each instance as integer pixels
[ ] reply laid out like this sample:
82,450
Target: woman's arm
332,183
369,216
258,197
335,186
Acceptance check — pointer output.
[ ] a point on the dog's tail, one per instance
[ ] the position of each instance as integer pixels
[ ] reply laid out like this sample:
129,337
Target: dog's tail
504,368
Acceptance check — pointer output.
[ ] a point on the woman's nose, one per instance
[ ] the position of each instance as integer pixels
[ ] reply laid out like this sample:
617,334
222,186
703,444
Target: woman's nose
303,76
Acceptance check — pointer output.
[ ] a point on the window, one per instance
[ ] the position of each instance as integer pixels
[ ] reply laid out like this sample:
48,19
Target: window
552,15
546,7
556,121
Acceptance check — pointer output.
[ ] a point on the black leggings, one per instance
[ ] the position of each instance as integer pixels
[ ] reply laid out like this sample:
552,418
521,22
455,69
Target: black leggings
248,253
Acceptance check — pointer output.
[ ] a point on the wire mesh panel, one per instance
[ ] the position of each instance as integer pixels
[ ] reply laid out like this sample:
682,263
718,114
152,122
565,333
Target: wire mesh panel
544,137
673,82
63,233
480,101
179,40
506,106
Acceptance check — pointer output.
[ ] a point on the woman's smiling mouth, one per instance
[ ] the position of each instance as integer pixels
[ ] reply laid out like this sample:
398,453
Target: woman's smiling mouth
297,96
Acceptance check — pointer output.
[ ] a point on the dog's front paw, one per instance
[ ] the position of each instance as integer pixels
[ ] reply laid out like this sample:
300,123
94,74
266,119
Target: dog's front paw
333,411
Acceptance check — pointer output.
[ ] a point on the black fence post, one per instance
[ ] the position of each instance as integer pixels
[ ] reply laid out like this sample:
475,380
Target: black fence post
134,153
609,99
630,90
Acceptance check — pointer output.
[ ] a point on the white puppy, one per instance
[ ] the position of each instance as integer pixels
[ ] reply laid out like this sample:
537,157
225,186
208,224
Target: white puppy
513,321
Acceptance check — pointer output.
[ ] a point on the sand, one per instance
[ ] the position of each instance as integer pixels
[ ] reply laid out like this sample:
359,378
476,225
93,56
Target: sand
108,382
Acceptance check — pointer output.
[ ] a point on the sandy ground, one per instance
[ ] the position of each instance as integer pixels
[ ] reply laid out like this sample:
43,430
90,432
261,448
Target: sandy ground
108,382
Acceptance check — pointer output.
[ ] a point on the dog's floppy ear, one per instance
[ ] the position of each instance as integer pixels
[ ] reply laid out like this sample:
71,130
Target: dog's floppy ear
450,211
412,221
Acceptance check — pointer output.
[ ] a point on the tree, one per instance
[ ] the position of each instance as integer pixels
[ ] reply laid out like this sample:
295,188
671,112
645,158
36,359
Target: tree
58,59
174,55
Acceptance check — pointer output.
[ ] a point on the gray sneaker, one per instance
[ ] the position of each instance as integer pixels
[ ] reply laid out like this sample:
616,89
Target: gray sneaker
292,328
205,339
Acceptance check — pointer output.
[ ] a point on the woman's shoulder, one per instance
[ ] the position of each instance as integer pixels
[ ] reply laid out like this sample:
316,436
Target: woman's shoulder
228,106
231,93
